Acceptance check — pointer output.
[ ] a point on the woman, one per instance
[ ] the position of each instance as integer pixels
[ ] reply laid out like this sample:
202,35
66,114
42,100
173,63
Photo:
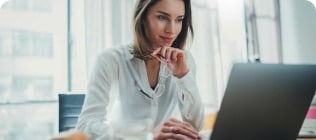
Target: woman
153,76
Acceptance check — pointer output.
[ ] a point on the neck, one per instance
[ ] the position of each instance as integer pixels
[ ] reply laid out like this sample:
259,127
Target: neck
154,62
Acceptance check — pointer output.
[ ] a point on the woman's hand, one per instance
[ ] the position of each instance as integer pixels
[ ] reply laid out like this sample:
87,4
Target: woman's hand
176,130
174,57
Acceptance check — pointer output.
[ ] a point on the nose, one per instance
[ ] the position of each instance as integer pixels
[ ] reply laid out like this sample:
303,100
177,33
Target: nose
170,28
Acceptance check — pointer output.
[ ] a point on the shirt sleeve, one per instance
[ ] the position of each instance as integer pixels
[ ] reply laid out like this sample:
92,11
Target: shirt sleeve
190,104
92,120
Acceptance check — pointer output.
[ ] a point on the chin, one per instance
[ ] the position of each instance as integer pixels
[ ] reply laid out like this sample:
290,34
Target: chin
167,44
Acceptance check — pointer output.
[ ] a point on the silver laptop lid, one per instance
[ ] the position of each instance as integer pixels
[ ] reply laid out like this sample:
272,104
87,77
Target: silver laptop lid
265,102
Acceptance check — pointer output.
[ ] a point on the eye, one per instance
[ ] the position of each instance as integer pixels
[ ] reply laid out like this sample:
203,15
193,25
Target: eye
161,17
179,20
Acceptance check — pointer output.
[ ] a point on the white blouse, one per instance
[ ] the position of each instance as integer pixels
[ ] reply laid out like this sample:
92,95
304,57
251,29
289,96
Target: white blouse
119,76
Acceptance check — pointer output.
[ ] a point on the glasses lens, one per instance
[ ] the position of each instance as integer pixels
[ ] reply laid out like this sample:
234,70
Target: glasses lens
165,71
164,74
159,90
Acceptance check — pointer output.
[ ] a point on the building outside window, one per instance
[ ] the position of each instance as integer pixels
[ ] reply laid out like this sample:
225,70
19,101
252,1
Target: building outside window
33,67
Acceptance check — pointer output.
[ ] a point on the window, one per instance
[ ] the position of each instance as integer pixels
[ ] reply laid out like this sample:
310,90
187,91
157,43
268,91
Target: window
28,5
34,44
33,60
25,87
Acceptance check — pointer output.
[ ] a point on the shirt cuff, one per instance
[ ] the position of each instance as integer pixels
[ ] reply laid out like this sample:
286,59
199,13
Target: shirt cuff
186,87
186,80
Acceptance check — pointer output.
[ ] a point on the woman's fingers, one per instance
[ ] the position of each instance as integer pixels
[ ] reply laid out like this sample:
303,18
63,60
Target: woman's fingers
180,127
168,54
176,129
171,133
174,57
156,53
184,125
173,136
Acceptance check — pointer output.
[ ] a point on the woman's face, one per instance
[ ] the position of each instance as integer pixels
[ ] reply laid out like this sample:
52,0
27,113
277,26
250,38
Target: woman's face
164,22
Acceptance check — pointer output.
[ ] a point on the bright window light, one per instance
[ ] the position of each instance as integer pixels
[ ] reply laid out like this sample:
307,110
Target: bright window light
313,2
2,2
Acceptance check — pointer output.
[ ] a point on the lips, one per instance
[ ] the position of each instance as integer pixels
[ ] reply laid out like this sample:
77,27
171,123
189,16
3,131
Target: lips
167,39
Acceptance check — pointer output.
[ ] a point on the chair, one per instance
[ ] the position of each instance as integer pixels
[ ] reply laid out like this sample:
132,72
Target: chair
69,109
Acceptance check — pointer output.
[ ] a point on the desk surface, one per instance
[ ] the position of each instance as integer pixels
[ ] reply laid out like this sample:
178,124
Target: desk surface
206,135
308,125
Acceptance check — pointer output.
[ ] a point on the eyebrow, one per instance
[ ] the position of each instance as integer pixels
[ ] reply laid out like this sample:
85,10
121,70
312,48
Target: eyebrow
164,13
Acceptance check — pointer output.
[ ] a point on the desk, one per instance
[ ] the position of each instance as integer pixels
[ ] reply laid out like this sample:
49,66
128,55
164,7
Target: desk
71,135
206,135
308,125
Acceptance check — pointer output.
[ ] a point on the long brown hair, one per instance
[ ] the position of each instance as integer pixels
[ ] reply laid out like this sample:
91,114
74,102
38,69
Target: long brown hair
141,47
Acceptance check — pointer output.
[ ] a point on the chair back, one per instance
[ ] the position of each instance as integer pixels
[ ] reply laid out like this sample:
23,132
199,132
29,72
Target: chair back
69,109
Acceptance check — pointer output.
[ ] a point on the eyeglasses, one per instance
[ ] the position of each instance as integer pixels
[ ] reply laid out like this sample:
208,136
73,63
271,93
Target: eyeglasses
160,88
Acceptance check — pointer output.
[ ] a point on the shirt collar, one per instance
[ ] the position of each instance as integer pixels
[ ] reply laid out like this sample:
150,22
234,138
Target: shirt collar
130,56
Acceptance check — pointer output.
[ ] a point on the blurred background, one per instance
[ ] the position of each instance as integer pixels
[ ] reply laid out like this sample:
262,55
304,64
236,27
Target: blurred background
48,46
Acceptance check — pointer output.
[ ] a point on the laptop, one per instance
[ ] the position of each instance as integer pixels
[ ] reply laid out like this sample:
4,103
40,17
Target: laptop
265,102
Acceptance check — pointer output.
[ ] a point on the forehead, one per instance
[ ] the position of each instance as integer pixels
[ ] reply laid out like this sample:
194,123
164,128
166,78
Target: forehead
172,7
